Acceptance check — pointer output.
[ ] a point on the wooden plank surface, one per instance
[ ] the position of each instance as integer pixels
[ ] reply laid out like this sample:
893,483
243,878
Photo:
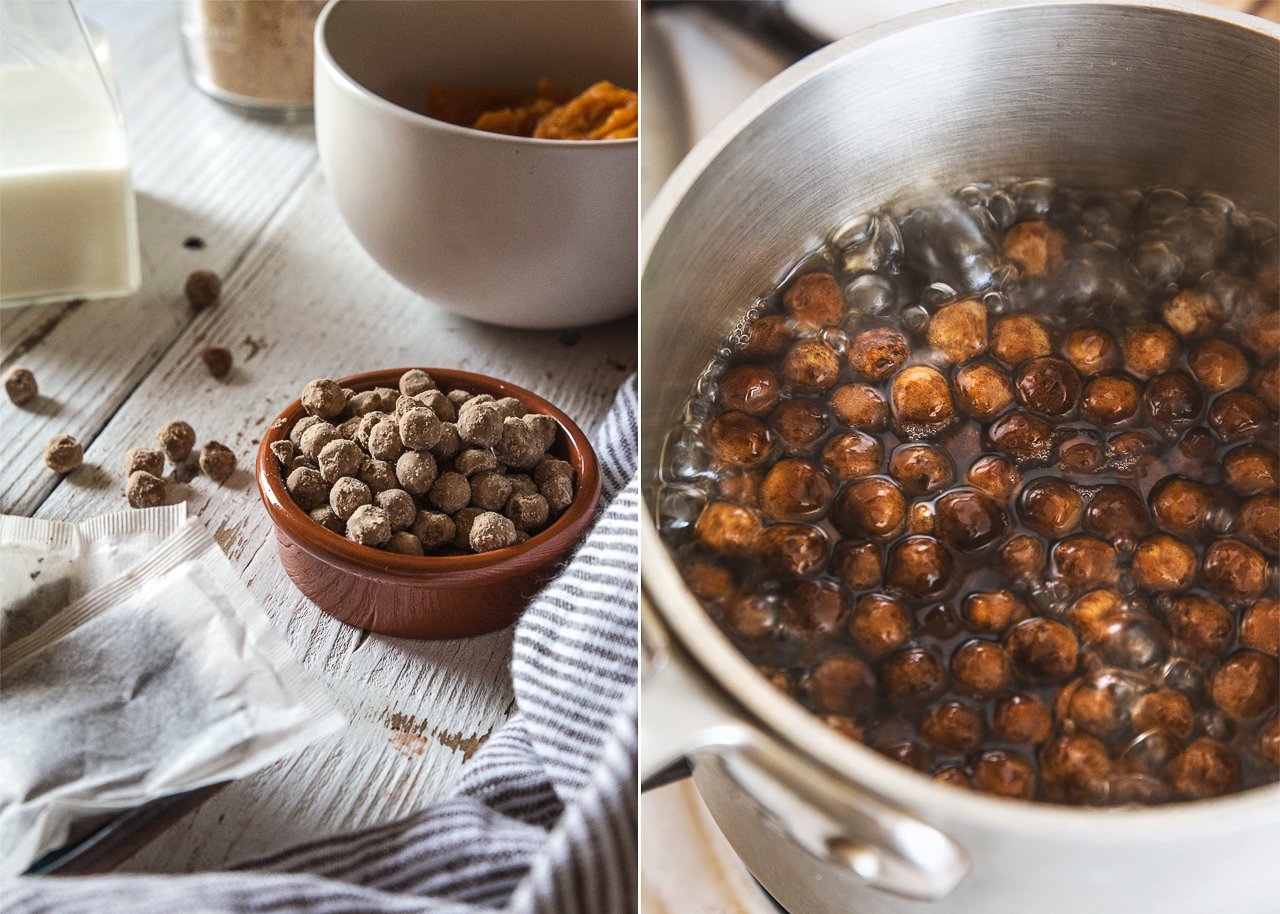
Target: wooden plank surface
199,171
300,300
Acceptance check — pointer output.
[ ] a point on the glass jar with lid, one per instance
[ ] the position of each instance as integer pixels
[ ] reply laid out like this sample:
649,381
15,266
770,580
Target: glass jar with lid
255,55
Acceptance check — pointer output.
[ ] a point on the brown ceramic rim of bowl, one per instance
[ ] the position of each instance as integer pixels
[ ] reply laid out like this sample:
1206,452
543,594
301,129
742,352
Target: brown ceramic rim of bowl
366,561
322,53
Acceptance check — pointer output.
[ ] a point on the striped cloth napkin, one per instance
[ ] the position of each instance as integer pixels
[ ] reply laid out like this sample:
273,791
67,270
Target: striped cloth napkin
543,820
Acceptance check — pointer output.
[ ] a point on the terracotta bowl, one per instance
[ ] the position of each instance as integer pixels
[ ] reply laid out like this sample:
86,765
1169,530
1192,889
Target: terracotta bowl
425,596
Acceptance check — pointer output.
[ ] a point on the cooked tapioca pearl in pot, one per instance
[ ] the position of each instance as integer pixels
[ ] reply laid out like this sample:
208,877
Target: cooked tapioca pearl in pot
1050,507
878,353
983,390
921,468
969,520
1018,338
1258,523
1042,513
859,406
752,389
1047,386
996,475
795,490
1092,350
815,301
1110,400
791,550
736,439
799,424
870,508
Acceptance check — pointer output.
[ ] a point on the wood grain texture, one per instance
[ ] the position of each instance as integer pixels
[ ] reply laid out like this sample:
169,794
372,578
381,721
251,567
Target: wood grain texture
198,171
300,300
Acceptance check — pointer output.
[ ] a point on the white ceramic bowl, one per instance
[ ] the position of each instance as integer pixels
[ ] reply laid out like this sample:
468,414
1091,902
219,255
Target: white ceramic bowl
506,230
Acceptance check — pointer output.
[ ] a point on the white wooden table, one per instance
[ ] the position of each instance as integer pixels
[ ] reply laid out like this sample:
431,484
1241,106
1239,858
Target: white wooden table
300,299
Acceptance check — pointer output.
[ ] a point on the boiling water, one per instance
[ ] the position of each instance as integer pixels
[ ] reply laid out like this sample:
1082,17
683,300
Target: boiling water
1127,253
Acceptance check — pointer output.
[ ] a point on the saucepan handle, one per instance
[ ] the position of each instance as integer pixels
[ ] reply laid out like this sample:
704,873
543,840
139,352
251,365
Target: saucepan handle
840,826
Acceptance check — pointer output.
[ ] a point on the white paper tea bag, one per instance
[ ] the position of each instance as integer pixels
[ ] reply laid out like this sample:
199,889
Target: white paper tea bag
45,565
166,679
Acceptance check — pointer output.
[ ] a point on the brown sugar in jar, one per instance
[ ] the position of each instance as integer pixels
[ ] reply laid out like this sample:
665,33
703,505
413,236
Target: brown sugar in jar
1021,535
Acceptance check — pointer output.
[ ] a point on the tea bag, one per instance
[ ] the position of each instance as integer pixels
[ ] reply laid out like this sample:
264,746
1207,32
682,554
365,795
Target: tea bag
165,679
45,565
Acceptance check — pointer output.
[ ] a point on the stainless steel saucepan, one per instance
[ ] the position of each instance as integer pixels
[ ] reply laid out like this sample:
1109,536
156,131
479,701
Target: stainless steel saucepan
1091,94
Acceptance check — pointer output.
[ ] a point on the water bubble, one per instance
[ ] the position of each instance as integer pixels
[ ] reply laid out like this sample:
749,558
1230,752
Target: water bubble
1156,262
945,244
1268,253
1237,296
1184,675
679,507
1003,209
1151,750
871,295
1259,229
1134,644
684,455
1215,203
1041,598
1219,518
937,295
1113,235
1034,197
996,303
1215,725
1199,237
915,319
696,412
836,338
974,194
1095,216
868,243
1160,204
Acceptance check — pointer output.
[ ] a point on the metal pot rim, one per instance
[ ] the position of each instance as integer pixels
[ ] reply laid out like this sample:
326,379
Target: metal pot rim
784,720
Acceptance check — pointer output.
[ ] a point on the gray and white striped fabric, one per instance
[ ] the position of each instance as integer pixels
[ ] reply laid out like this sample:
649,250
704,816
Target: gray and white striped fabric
544,817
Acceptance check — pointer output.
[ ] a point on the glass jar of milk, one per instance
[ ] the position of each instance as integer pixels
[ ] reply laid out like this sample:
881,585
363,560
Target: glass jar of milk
68,224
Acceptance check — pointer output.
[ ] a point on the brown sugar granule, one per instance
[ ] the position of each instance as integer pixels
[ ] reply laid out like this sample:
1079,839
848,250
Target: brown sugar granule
202,288
20,385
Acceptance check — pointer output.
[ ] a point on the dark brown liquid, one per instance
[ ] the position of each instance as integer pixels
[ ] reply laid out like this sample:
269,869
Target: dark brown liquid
1148,637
